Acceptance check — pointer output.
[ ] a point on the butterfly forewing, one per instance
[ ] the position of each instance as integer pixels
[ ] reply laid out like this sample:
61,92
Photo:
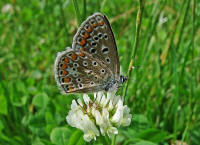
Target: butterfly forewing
96,38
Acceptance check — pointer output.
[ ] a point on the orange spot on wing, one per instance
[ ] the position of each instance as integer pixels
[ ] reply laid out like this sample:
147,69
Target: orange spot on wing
86,36
64,66
94,25
66,60
89,29
70,88
82,42
67,80
81,54
101,23
74,56
64,72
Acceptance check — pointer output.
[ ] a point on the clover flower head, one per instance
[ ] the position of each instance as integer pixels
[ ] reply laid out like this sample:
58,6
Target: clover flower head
103,115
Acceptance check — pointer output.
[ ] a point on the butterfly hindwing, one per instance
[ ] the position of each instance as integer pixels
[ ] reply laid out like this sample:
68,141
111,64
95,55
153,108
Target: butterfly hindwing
78,72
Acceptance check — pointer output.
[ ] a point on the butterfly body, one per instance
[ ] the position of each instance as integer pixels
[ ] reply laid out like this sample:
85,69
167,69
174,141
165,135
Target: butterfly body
92,64
112,84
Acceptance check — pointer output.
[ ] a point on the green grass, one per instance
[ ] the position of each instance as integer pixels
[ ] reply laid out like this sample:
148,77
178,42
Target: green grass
163,90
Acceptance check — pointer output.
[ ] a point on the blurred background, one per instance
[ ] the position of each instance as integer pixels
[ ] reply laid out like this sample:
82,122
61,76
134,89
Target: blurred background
164,89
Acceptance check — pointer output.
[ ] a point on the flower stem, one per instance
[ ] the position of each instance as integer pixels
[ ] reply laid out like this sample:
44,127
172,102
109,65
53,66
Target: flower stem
135,47
113,140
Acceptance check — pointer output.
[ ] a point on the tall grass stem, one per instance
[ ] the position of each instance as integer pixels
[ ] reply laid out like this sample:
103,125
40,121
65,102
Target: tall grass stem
78,15
136,42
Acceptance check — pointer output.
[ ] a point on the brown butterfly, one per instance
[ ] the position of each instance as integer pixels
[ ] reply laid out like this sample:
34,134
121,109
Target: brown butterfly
92,64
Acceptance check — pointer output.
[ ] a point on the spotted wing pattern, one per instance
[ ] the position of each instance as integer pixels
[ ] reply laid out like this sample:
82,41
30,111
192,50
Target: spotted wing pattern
91,62
95,36
79,72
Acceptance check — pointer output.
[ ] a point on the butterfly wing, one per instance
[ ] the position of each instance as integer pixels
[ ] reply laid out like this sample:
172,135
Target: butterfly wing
95,37
92,61
79,72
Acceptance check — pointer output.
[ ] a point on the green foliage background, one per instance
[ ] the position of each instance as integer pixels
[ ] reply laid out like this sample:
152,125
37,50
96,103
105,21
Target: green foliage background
164,88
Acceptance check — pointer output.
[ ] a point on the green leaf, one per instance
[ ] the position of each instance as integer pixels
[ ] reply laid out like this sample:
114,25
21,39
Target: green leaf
60,135
75,137
1,126
153,135
145,143
139,122
81,141
41,100
36,122
129,132
3,102
36,74
3,105
37,142
137,141
139,118
50,122
194,135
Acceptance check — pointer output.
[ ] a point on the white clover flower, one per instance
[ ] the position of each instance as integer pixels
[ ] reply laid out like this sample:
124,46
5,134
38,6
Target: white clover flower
102,116
77,118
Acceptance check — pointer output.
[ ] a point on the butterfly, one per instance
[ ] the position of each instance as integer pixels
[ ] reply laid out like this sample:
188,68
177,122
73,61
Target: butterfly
92,64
